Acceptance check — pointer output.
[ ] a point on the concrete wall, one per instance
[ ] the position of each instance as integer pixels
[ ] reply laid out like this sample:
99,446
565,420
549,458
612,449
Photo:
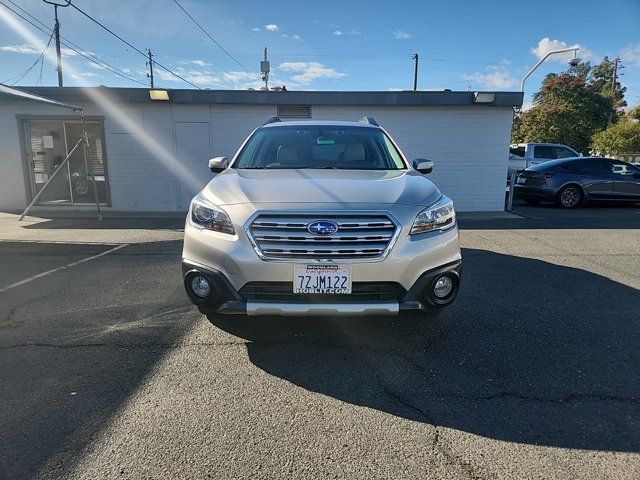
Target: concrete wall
469,146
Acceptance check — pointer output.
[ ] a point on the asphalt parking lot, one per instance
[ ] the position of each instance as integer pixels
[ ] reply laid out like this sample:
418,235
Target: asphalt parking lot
106,370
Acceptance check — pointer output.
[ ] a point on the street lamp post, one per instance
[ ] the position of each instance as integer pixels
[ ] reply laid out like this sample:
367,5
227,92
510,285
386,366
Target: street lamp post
573,61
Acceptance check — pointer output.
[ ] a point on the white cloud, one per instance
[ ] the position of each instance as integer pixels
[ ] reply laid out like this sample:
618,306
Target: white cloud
126,70
547,45
203,79
23,49
272,27
351,32
166,76
27,50
238,76
88,74
296,37
400,35
307,72
496,78
97,66
256,29
200,63
631,54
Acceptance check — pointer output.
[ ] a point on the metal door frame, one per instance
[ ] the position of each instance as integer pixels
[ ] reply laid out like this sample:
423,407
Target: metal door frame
29,178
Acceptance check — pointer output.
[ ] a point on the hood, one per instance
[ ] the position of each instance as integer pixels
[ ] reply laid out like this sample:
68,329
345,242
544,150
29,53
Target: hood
321,186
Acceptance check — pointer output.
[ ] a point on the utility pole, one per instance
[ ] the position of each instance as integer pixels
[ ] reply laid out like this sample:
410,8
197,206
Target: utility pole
614,83
150,63
415,71
56,30
265,68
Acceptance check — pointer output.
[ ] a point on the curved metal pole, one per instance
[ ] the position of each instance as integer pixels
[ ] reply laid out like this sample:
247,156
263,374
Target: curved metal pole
553,52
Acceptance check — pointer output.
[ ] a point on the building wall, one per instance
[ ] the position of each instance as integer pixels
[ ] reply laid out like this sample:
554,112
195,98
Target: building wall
153,150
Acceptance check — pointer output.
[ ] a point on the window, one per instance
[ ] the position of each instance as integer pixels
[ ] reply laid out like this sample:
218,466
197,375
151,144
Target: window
594,165
621,168
563,152
48,142
311,147
543,151
517,151
294,111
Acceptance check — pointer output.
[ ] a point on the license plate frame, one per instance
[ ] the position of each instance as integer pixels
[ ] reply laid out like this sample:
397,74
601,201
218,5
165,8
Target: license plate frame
312,279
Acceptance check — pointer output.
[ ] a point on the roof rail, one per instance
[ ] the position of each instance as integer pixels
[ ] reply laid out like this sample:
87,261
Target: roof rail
271,120
369,120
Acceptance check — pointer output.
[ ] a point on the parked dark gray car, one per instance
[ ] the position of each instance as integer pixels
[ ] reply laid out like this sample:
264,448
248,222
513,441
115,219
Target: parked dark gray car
572,181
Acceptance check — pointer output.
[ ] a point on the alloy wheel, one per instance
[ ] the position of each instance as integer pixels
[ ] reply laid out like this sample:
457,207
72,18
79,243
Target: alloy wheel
570,197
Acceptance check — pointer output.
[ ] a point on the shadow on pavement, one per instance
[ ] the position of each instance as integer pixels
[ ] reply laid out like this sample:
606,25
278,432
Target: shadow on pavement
77,345
105,224
531,352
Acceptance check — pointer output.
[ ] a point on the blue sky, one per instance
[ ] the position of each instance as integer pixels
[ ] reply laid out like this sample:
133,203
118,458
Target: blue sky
330,45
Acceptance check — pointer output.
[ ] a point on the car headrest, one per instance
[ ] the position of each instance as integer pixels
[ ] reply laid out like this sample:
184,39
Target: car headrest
354,152
287,155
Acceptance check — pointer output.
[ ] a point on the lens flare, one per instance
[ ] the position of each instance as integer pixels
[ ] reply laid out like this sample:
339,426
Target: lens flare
144,135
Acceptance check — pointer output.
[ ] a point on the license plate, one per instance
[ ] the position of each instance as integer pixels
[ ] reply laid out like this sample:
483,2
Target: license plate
322,279
521,180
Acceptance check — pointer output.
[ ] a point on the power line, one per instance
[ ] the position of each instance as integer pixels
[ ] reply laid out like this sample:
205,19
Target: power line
131,46
26,72
81,51
212,39
448,83
70,45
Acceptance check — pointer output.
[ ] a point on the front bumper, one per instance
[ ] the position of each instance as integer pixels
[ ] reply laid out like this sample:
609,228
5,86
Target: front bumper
234,266
227,300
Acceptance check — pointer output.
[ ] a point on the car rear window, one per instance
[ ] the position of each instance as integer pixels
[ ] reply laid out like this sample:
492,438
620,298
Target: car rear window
517,151
593,165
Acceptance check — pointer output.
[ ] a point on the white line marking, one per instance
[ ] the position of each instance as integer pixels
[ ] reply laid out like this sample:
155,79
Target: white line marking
64,267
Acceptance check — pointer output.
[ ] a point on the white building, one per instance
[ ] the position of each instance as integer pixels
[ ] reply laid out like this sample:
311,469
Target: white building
151,156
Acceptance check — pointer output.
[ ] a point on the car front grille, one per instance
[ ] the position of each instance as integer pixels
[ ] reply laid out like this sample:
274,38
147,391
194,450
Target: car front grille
360,291
286,236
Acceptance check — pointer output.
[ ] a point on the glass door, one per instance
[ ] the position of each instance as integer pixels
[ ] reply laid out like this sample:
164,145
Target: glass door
83,168
46,147
48,143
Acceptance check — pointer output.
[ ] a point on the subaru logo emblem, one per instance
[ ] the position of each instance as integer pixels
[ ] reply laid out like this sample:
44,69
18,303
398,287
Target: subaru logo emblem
322,227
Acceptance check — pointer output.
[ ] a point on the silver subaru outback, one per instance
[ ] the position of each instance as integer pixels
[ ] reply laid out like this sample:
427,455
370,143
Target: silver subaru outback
320,218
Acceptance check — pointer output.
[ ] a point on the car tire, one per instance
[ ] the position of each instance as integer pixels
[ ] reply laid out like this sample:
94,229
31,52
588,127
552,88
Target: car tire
570,196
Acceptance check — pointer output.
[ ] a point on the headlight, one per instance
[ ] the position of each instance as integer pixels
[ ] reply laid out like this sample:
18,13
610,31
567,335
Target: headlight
205,214
438,216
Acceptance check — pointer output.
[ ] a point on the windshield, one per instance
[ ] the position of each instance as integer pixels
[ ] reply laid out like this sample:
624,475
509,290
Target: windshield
349,148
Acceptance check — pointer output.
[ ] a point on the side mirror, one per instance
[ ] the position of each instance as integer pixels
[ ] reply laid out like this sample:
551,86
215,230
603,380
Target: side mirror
423,165
218,164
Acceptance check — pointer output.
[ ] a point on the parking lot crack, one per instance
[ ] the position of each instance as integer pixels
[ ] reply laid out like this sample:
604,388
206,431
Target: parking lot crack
471,471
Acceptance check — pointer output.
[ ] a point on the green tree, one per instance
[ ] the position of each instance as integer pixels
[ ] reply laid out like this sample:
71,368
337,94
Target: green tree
619,138
600,79
581,70
634,113
564,111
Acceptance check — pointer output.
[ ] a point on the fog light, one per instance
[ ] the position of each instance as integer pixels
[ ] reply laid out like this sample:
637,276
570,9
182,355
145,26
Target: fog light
443,287
200,286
